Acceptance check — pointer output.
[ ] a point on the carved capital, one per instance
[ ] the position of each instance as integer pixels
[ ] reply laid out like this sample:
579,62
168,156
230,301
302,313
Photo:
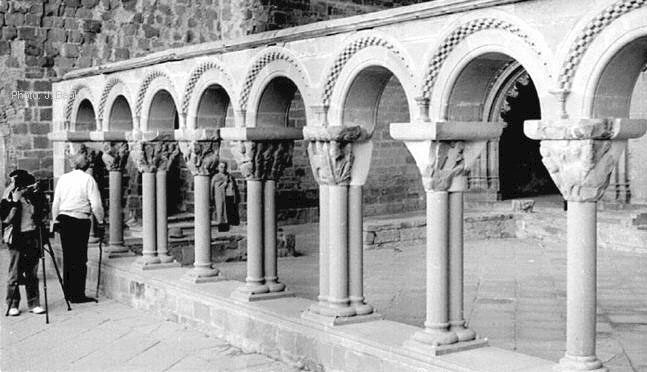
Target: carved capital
144,156
115,155
262,160
440,164
165,154
331,161
202,157
581,169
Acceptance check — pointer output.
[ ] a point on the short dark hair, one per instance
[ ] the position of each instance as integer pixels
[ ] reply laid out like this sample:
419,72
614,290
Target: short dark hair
24,179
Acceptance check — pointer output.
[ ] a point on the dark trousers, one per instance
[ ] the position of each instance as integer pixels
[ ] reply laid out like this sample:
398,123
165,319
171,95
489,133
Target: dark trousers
74,234
23,269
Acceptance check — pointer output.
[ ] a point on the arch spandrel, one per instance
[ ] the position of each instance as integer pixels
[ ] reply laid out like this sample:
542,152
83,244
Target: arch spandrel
153,83
273,63
207,74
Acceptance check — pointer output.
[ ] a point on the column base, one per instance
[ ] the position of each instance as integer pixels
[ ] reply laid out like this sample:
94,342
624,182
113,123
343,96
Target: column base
362,308
252,297
202,275
165,259
571,363
327,316
275,286
116,250
435,337
428,349
144,261
463,333
93,240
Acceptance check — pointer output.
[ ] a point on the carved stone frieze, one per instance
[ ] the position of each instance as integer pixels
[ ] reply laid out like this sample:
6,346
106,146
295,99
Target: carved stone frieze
262,160
115,155
581,169
202,157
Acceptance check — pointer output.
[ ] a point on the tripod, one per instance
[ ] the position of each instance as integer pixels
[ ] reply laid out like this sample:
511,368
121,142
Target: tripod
50,251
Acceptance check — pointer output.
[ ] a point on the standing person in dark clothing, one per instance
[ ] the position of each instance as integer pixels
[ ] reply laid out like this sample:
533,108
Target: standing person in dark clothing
22,214
76,199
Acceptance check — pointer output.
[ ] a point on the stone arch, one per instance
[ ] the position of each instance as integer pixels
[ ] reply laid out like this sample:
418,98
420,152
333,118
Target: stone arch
606,66
157,85
272,65
78,95
379,48
274,61
586,36
476,37
115,96
203,77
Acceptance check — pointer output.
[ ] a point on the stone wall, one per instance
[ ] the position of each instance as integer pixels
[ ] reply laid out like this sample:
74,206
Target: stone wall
41,40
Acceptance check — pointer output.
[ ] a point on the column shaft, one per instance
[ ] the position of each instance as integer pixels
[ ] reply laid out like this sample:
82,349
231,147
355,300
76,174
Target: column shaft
116,212
324,279
149,250
255,277
581,279
456,315
338,246
356,251
269,243
162,218
437,260
202,223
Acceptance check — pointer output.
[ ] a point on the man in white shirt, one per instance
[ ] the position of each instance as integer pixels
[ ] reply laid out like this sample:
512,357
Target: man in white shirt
76,199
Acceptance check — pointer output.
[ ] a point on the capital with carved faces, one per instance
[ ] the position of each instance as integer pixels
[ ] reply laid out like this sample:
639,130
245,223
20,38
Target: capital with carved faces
166,152
115,155
202,157
330,150
580,155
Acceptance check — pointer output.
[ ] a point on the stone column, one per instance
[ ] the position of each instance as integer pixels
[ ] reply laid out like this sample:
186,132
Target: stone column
457,322
202,160
443,152
93,170
580,156
144,156
262,163
115,157
331,156
166,154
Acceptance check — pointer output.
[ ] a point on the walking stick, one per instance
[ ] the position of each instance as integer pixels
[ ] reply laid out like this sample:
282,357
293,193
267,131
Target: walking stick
42,260
50,250
99,271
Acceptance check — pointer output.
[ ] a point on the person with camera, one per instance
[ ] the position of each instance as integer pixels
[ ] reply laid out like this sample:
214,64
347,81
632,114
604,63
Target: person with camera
22,212
76,200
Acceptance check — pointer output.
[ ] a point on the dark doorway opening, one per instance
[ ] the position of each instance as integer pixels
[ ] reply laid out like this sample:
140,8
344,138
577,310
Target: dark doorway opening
521,171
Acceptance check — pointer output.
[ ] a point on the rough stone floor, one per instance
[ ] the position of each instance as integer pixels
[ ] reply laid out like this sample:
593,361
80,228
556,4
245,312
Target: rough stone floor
515,293
111,336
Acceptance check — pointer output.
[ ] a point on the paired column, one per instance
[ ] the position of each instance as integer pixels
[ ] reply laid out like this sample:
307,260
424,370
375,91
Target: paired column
145,158
443,152
166,153
202,160
115,157
341,296
580,156
261,162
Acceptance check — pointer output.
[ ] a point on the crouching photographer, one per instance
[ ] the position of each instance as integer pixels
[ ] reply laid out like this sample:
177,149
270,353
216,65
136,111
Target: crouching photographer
23,209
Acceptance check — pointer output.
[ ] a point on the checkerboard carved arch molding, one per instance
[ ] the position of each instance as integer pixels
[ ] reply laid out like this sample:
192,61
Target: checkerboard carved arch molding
459,34
141,93
111,83
347,53
195,76
71,101
267,56
586,37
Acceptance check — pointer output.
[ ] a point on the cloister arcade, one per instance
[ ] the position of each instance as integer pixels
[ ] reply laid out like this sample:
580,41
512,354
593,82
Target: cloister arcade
465,70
